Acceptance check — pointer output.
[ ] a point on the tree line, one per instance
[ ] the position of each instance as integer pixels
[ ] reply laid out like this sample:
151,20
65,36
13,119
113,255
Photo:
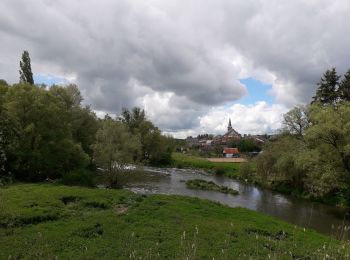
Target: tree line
47,133
311,155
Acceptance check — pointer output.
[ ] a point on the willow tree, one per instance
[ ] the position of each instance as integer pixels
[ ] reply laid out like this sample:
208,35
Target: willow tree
114,149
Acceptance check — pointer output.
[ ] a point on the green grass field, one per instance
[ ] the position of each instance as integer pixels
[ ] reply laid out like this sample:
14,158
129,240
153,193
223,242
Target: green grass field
44,221
189,161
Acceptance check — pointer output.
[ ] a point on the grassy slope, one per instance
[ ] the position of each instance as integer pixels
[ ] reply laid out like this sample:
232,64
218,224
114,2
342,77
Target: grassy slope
154,227
189,161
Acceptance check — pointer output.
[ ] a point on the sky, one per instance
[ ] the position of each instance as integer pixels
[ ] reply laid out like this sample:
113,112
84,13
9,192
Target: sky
191,64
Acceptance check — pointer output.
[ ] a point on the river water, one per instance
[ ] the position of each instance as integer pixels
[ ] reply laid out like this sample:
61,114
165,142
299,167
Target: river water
323,218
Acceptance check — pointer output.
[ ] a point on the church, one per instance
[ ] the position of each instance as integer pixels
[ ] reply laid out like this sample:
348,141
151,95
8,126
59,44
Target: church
229,136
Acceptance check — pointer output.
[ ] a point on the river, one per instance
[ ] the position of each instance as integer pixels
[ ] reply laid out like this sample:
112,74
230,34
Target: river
323,218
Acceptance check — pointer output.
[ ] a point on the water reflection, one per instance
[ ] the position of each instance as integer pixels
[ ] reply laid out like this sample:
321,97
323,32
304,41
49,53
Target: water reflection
300,212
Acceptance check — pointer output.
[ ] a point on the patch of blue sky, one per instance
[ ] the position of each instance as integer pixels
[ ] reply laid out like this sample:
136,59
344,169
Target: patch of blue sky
256,91
49,79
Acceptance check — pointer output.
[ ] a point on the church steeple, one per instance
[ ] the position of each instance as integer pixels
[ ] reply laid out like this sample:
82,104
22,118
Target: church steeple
229,127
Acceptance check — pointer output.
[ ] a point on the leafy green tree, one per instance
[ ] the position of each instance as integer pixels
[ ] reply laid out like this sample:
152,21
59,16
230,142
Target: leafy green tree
82,120
344,87
3,82
44,146
6,137
114,149
331,134
326,93
248,145
155,148
296,121
133,118
7,132
278,164
26,75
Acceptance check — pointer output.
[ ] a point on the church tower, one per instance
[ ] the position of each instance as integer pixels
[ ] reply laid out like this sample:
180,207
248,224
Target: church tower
229,127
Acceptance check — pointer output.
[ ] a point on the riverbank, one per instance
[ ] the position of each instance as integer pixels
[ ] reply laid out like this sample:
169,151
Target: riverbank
189,161
245,172
47,221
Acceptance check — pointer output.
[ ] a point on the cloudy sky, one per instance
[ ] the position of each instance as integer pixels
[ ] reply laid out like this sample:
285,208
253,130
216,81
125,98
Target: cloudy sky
191,64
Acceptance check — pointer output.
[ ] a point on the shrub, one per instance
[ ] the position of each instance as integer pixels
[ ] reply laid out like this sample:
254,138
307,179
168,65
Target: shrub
246,170
219,171
81,177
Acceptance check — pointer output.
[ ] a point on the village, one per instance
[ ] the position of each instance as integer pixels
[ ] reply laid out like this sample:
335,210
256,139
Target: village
231,144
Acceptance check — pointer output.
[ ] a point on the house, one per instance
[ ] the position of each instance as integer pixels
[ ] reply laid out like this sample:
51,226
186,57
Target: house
230,152
192,142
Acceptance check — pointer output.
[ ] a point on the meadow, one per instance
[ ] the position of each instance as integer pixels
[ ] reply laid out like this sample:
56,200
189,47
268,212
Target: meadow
48,221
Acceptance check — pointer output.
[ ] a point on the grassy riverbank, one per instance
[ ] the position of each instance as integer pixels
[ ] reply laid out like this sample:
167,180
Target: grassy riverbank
189,161
43,221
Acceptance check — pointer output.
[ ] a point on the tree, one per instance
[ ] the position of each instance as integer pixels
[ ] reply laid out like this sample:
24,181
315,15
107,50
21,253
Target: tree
278,164
344,87
155,148
330,134
83,121
6,137
133,118
248,145
43,146
296,121
3,82
114,149
326,93
25,71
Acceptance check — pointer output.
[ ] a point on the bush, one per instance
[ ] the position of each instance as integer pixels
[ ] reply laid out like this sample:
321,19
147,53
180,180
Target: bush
246,170
219,171
81,177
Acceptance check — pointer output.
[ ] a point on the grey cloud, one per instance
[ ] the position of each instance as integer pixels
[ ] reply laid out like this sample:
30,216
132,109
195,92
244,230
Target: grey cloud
172,47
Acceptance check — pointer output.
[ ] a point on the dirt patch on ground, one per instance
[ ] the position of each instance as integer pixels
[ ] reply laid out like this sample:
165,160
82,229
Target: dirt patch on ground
228,160
121,209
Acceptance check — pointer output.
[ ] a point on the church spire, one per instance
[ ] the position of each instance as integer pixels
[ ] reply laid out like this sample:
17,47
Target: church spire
229,125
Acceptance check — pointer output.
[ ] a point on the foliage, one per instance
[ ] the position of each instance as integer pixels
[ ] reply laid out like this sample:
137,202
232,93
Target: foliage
327,88
45,133
248,145
156,149
26,75
6,134
3,82
278,162
117,224
79,177
344,87
83,121
133,119
114,149
43,146
333,88
312,155
246,170
296,120
318,163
